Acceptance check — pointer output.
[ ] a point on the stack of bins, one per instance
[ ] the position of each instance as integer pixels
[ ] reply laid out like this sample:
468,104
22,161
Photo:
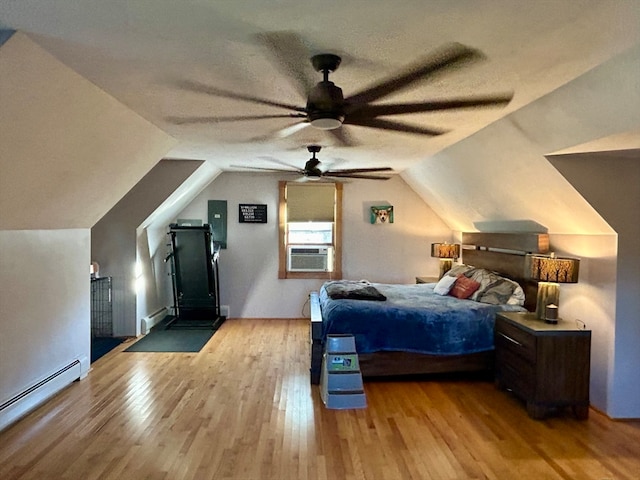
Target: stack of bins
341,381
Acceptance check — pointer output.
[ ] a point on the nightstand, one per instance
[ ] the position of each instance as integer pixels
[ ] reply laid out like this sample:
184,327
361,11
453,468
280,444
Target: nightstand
427,279
547,365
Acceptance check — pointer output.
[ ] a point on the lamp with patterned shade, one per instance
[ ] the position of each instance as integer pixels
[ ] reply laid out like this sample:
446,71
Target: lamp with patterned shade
446,252
549,271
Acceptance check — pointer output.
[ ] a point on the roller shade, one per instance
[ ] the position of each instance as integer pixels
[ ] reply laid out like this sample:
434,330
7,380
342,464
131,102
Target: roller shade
310,203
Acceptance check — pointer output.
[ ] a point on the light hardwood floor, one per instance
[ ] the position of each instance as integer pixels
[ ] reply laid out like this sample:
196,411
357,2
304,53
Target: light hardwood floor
243,408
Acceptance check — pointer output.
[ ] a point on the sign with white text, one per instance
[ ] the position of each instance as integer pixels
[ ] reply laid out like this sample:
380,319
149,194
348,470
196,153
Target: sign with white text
252,213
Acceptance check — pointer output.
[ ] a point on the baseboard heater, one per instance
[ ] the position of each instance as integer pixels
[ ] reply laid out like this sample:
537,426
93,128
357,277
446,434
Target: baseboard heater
151,320
27,400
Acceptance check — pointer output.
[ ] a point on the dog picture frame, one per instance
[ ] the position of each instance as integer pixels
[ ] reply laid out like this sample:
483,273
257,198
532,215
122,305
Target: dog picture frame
382,214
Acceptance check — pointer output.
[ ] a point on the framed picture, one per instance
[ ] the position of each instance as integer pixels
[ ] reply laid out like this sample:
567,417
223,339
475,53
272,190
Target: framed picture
382,214
252,213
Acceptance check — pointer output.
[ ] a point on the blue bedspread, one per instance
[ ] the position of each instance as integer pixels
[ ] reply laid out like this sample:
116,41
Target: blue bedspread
412,319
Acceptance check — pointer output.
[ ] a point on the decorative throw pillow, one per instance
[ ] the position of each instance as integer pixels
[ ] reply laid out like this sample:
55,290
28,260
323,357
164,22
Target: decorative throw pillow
464,287
444,285
458,269
498,293
484,278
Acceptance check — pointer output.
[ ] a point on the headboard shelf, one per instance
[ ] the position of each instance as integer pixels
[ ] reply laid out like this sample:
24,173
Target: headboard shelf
518,242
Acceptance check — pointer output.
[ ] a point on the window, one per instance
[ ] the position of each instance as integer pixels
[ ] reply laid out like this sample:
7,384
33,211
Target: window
310,230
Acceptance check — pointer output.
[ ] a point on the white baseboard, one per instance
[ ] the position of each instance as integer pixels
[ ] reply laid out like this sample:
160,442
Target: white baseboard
153,319
224,311
24,402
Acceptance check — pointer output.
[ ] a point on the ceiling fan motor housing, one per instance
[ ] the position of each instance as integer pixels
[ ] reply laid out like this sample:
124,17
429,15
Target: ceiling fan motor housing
311,168
325,106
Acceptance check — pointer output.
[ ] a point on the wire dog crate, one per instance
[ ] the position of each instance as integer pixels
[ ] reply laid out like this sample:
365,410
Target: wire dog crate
101,307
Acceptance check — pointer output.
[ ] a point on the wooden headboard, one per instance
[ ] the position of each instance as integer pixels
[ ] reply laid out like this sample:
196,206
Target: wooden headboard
506,254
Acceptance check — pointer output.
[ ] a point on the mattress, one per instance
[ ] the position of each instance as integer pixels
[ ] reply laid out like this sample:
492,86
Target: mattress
412,319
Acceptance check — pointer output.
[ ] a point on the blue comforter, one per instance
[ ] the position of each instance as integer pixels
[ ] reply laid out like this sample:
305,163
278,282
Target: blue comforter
412,319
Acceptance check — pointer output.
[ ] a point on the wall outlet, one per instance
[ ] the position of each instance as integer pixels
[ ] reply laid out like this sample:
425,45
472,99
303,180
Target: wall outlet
224,311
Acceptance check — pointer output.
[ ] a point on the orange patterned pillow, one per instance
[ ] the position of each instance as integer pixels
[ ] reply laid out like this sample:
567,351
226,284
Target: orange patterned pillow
464,287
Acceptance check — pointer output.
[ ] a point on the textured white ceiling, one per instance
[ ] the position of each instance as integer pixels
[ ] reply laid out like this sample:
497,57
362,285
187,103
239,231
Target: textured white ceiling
136,51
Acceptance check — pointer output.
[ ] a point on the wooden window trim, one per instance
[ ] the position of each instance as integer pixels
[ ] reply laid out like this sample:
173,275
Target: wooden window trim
282,246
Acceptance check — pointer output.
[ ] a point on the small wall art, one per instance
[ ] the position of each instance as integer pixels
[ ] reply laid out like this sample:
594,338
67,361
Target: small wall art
382,214
252,213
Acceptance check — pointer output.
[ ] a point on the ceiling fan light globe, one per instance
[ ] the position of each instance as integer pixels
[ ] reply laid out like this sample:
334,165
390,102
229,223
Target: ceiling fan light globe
326,123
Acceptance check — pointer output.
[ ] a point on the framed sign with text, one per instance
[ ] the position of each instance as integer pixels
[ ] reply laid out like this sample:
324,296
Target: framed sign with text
252,213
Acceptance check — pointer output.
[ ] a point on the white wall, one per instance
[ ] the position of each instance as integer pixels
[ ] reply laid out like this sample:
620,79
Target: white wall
383,253
597,175
45,298
592,301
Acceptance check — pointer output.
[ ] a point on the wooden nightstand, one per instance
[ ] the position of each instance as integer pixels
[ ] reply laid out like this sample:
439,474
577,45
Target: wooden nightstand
547,365
427,279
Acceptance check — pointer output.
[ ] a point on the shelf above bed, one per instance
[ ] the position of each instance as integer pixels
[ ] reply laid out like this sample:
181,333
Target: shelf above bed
517,242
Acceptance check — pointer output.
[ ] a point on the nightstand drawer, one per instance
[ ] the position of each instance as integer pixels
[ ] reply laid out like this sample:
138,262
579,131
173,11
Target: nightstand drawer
547,365
515,372
513,339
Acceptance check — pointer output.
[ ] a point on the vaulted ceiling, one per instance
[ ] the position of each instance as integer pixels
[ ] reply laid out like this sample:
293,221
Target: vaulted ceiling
141,52
571,66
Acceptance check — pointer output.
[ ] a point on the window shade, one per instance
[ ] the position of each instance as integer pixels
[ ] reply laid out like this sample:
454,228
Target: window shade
310,203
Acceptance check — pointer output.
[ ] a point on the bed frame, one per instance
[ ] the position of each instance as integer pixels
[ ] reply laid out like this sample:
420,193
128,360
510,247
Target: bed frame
504,253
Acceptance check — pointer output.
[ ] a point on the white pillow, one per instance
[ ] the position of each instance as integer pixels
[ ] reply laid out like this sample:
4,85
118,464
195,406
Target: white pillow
444,285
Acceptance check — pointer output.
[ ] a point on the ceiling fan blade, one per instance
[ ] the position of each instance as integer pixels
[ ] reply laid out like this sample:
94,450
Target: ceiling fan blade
356,175
275,170
449,57
282,133
293,55
358,170
343,137
218,92
291,129
372,111
284,164
237,118
395,126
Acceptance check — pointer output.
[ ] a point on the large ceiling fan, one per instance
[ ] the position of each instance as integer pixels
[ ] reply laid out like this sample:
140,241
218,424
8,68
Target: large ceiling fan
326,107
312,170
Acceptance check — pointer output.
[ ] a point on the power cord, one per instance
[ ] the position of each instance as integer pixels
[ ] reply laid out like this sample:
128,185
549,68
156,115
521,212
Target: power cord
305,304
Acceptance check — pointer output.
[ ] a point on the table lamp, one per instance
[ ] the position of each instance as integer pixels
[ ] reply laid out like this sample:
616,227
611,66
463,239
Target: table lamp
550,271
446,252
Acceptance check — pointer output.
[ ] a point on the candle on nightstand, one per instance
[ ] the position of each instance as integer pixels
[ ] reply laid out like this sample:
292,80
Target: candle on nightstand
551,313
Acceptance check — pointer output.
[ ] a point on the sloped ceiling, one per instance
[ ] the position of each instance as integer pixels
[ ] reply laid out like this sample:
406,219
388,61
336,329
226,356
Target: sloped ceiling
138,51
501,173
69,151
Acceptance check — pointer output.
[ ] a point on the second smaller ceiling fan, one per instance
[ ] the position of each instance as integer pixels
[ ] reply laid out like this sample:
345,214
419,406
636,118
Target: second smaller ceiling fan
312,171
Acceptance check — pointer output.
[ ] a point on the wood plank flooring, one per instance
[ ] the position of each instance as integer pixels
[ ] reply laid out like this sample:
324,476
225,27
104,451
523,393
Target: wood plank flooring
242,408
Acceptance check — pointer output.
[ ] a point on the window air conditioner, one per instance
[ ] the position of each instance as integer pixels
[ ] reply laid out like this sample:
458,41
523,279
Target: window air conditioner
308,258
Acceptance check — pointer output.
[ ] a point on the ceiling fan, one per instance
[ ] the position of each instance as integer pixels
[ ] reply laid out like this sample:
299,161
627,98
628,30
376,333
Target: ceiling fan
312,171
326,107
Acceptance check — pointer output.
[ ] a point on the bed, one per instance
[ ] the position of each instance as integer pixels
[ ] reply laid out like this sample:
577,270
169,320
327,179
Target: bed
410,329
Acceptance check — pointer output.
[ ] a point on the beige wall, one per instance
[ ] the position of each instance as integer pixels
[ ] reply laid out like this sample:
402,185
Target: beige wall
598,177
